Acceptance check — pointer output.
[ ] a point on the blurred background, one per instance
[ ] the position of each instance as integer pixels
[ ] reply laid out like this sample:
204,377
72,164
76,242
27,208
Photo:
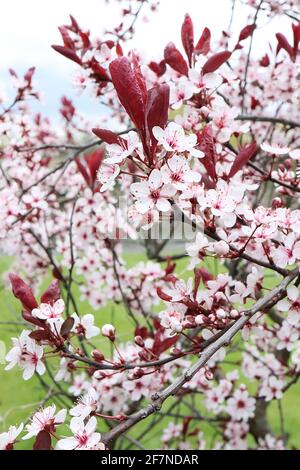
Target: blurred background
28,28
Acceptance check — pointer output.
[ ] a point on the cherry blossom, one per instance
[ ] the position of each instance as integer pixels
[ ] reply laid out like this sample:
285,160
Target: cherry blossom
8,439
291,304
45,420
153,193
85,325
85,437
241,405
48,312
117,153
173,139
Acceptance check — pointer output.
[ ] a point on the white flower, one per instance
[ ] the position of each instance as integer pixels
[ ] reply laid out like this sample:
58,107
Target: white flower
48,312
180,290
85,325
177,172
84,436
200,82
85,404
153,193
180,92
240,406
272,389
107,175
15,355
275,149
291,304
79,385
173,139
172,318
45,419
7,439
118,152
295,154
32,360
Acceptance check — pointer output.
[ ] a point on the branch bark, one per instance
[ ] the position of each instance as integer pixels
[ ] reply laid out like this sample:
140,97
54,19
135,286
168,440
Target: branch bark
158,399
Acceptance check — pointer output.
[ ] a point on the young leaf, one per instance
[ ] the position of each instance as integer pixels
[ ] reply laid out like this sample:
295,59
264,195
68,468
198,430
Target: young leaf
39,335
157,108
33,320
52,293
67,326
203,45
215,61
187,37
242,158
129,91
107,136
23,292
69,53
94,160
284,44
175,59
42,441
246,32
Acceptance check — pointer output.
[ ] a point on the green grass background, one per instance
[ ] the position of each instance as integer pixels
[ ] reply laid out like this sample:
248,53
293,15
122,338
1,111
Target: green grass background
18,399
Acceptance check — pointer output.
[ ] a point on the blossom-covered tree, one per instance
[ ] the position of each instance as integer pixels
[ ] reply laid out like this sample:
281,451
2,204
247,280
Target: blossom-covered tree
206,139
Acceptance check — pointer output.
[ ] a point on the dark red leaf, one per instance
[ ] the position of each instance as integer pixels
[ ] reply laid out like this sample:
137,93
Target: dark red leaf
157,108
40,335
119,50
264,61
162,295
94,160
33,320
69,53
197,280
161,343
74,24
68,42
52,293
175,59
242,158
215,61
246,32
107,136
158,68
205,275
203,45
187,37
42,441
23,292
128,89
206,144
139,77
284,44
83,171
296,35
99,72
67,326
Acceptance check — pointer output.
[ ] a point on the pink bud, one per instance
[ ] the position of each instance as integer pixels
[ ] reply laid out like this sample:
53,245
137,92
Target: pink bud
109,331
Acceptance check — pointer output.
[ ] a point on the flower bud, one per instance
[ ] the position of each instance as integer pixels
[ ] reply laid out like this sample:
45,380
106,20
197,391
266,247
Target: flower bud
221,248
97,355
139,341
109,331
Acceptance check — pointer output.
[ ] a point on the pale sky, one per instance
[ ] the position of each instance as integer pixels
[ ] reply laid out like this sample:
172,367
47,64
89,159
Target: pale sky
29,27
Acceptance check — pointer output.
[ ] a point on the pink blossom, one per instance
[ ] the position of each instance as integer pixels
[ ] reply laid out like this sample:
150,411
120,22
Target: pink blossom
173,139
48,312
45,420
8,439
84,436
153,193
